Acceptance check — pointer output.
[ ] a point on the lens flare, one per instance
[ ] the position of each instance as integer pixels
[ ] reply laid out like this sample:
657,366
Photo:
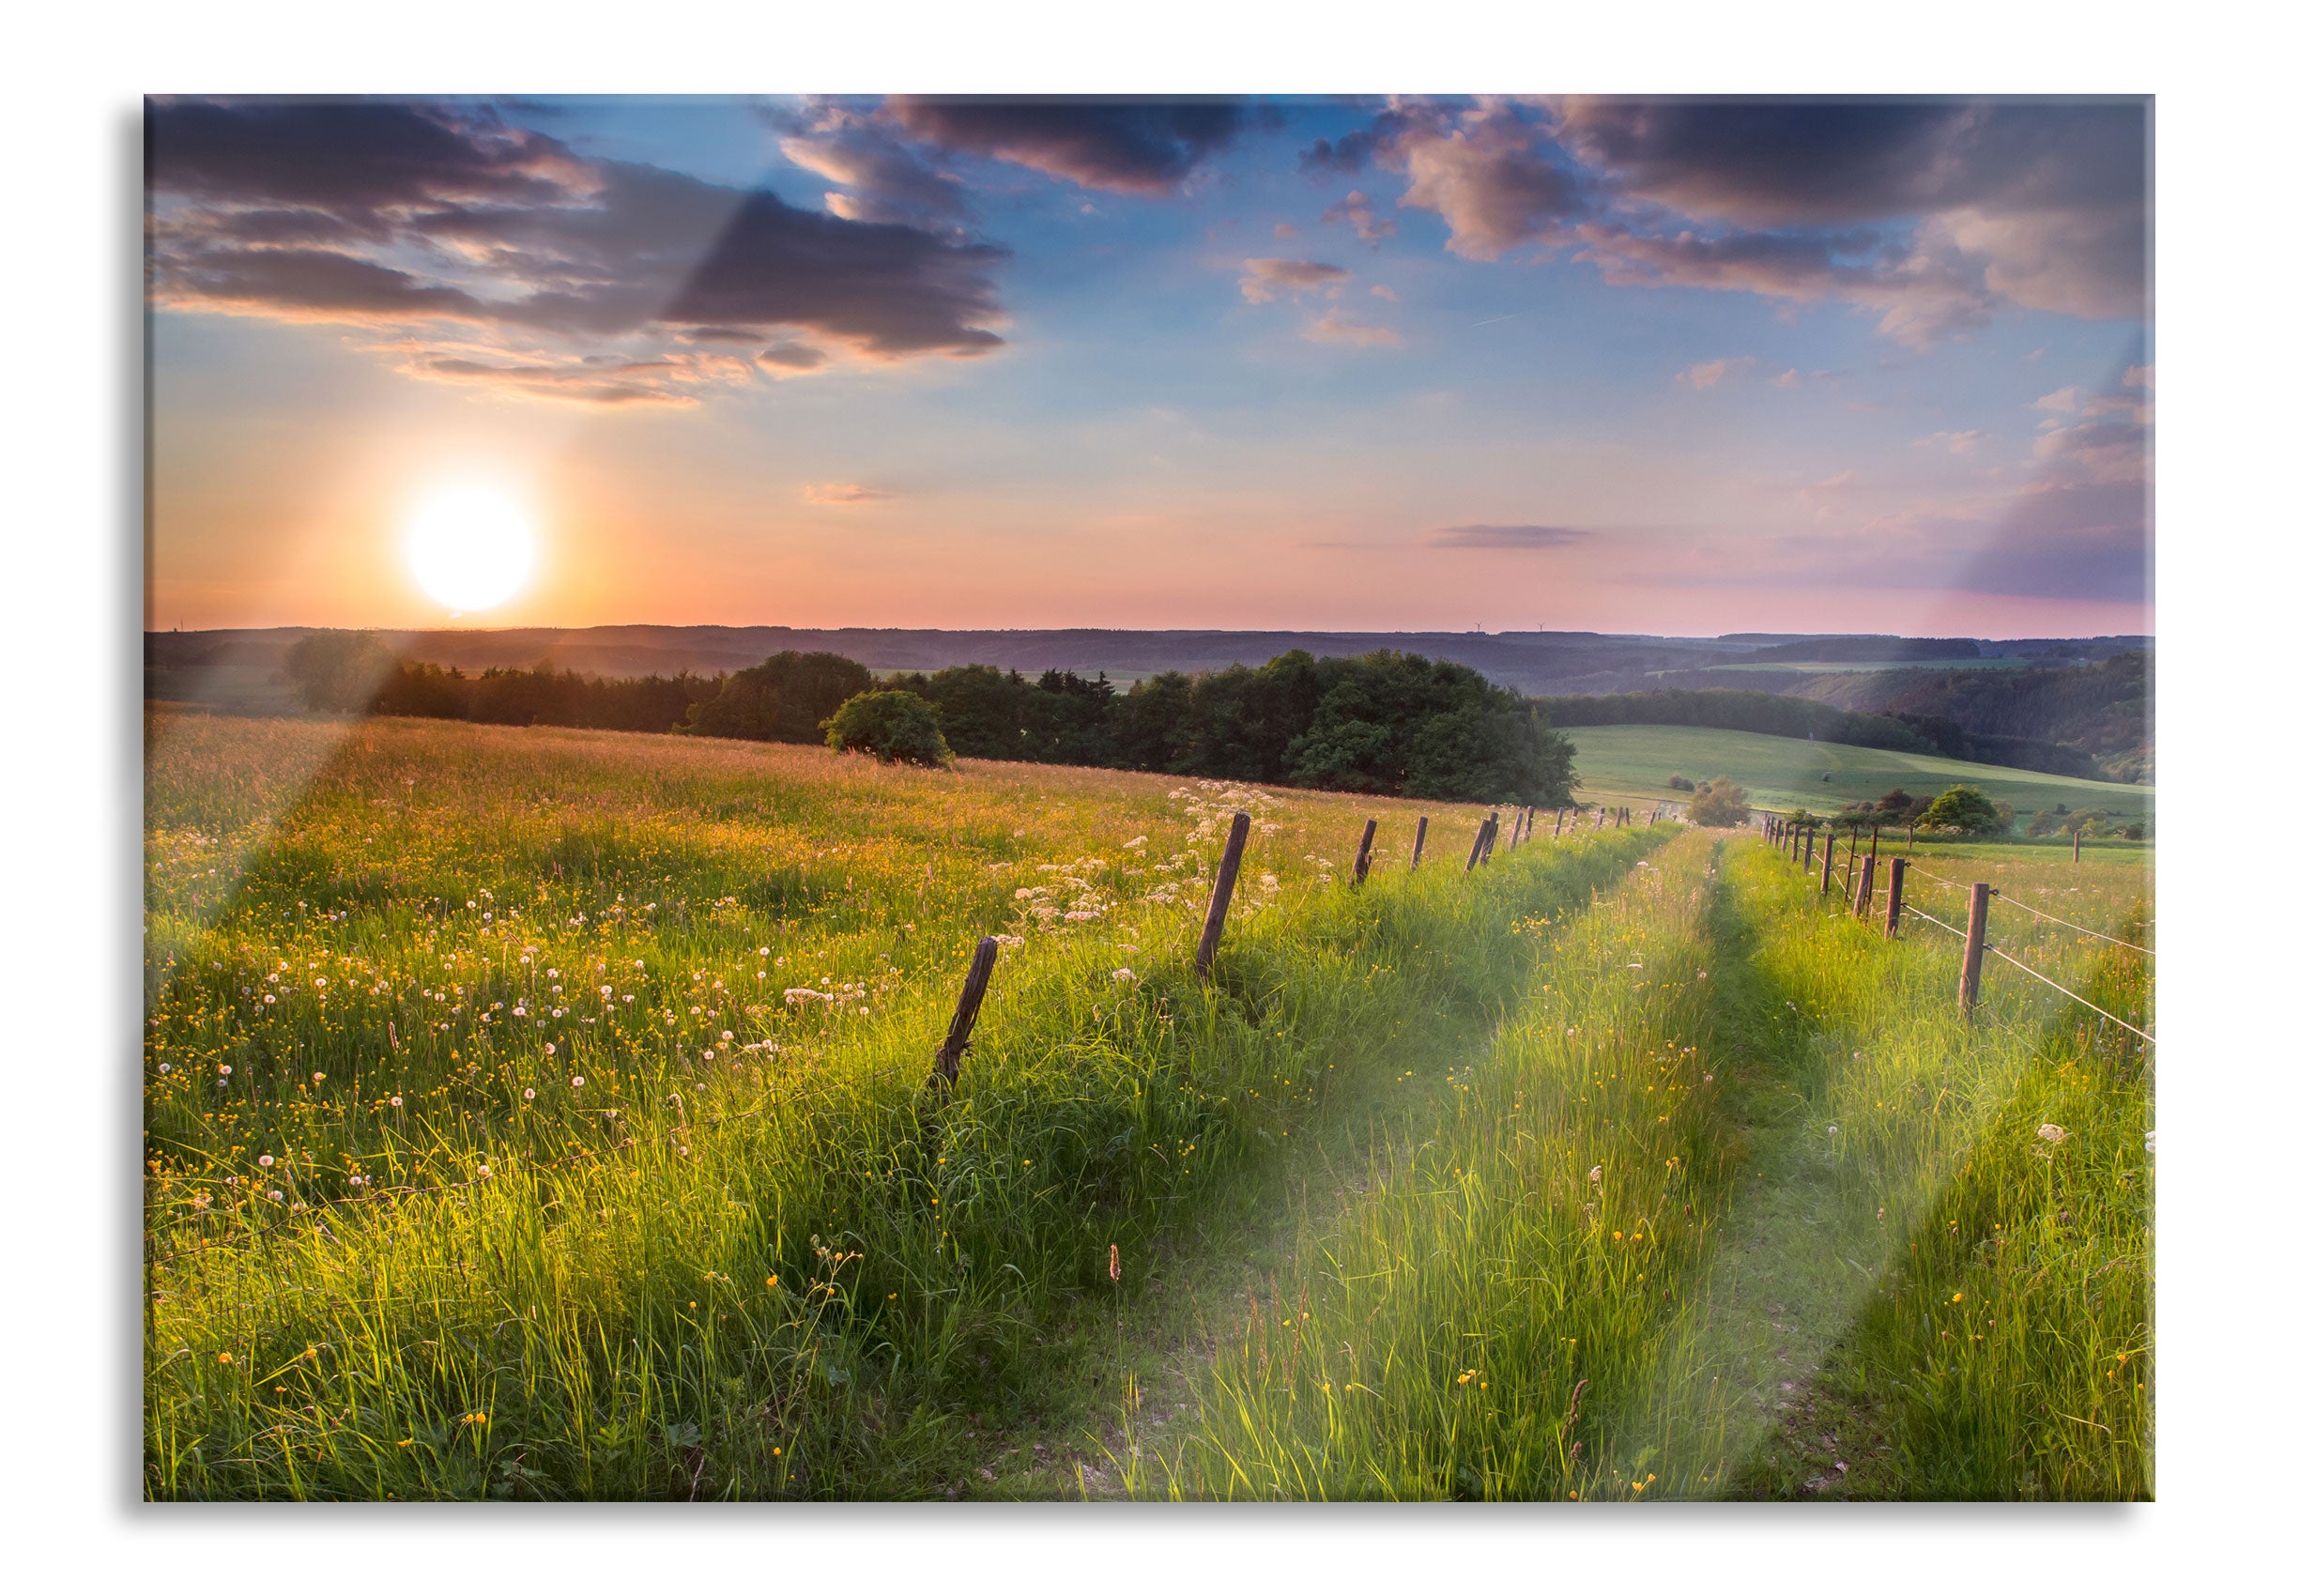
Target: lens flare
471,548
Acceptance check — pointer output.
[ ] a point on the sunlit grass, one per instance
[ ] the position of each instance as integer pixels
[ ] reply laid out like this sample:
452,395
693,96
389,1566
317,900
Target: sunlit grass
543,1113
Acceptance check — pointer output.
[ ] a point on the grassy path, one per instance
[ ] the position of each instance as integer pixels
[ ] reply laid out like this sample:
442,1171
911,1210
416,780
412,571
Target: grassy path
1681,1234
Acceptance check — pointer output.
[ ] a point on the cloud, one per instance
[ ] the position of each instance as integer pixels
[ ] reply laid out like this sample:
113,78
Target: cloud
844,494
2048,198
1357,210
2140,376
1921,293
1485,173
1708,374
1266,279
792,357
2064,399
1955,442
1333,328
450,226
1284,230
1131,147
1482,536
880,180
1382,291
1932,215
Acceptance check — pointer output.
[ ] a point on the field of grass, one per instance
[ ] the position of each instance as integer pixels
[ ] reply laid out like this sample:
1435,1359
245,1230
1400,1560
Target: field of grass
539,1114
1738,1207
1634,763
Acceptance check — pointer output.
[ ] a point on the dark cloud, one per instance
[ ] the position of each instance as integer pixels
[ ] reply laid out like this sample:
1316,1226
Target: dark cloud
793,357
879,179
1134,146
430,216
2048,197
1482,536
349,159
1932,214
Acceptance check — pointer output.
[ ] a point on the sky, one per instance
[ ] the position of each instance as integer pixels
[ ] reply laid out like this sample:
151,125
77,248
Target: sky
1675,366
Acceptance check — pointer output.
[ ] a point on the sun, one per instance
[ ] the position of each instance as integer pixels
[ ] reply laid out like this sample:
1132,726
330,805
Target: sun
471,548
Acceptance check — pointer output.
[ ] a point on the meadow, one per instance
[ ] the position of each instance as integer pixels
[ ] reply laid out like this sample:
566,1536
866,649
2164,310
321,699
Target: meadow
1634,763
539,1114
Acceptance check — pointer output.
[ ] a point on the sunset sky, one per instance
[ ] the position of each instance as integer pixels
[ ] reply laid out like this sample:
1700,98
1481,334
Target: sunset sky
1661,366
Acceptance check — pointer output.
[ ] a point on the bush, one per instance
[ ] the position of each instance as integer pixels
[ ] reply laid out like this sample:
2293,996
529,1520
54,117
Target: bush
893,726
1718,802
1965,810
1680,783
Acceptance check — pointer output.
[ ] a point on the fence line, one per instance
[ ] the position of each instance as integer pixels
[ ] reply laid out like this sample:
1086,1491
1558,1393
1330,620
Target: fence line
790,1093
2066,993
1966,936
2074,926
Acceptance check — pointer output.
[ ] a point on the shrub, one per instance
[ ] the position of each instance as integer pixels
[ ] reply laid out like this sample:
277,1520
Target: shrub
1680,783
1718,802
894,727
1965,810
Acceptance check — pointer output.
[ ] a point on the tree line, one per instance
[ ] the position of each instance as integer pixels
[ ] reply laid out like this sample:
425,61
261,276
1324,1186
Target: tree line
1384,722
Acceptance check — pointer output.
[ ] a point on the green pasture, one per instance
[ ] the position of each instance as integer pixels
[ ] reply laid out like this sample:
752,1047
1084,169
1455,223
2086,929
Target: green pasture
1635,762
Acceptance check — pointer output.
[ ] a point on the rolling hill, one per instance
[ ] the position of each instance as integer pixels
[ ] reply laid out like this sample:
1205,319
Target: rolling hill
1634,763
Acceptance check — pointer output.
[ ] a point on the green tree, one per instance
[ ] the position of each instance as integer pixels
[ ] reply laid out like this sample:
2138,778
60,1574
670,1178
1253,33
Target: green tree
1965,810
787,699
338,672
1718,802
893,726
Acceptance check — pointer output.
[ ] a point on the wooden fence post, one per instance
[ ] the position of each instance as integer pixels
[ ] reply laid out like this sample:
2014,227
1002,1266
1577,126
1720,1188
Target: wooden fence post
2076,846
1365,855
1873,842
1477,845
1976,943
1557,827
1517,829
1493,834
1421,834
1809,830
962,1023
1218,907
1895,866
1829,863
1868,883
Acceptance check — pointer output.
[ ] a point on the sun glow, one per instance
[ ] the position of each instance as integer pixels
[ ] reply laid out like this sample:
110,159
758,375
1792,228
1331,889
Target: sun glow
471,548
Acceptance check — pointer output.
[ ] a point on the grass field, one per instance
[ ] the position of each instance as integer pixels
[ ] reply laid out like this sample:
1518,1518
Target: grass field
537,1113
1634,763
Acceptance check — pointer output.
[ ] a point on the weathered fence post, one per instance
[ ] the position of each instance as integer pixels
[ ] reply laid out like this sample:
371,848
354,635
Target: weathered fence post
1868,883
962,1023
1873,841
1809,830
2076,847
1558,827
1365,855
1976,943
1421,833
1895,867
1517,829
1476,845
1493,834
1829,863
1218,907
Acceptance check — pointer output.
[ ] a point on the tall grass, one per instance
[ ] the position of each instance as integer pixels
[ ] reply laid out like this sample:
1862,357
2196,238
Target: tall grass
1739,1204
543,1114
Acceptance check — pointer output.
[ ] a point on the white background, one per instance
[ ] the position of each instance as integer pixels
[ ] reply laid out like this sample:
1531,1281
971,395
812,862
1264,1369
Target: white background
70,578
